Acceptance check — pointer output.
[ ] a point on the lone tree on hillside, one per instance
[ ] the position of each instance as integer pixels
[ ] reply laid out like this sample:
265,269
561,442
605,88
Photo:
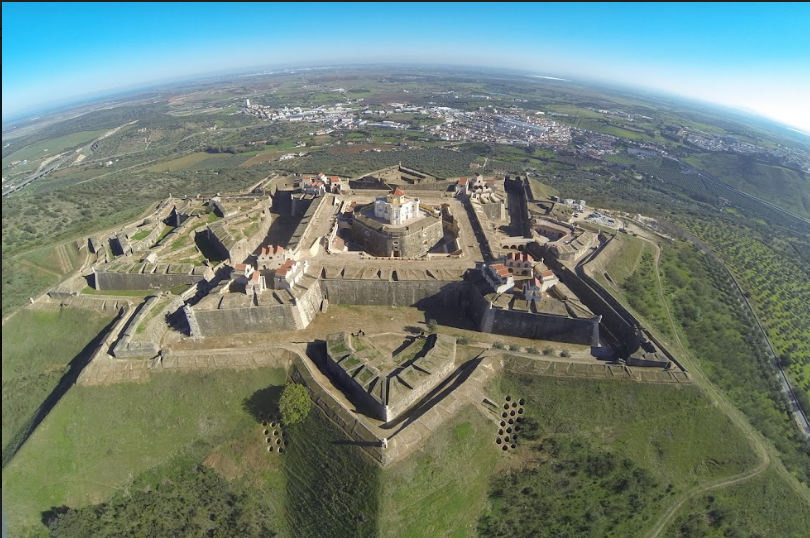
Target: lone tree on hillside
294,404
432,324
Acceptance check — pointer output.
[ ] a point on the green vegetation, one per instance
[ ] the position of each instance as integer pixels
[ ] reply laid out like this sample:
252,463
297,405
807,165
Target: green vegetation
718,332
440,489
294,404
641,289
143,234
432,324
785,187
180,163
778,284
596,493
123,293
38,345
332,488
613,453
762,506
197,503
98,439
23,280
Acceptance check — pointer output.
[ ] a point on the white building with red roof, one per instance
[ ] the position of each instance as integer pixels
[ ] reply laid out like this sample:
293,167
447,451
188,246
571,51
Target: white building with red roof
315,186
463,187
519,263
396,208
546,277
255,284
271,257
335,184
290,272
499,277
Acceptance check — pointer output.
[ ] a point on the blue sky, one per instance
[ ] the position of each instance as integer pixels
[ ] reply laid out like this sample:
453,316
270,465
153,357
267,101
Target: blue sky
752,56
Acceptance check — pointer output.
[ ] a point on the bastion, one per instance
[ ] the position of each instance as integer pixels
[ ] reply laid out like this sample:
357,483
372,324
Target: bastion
387,384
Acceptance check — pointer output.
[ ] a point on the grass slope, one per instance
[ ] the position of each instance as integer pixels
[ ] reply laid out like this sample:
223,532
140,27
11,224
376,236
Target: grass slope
98,440
440,489
37,347
763,506
592,448
332,487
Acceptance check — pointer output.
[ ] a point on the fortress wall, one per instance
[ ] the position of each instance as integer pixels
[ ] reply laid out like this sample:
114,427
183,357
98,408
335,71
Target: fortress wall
308,305
401,293
125,348
538,326
136,281
494,211
243,320
355,391
620,324
544,327
148,241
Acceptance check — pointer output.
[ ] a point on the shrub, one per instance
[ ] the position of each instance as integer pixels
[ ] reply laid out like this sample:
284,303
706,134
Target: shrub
432,324
533,350
565,353
462,341
294,404
548,350
498,345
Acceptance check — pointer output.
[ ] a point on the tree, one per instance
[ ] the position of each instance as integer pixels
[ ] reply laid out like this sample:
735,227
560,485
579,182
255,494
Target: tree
294,404
432,324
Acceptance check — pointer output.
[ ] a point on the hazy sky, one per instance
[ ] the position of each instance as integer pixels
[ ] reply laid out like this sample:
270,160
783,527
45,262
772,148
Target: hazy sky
753,56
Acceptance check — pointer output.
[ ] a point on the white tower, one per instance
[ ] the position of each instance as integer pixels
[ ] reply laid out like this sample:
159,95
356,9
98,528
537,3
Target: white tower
247,103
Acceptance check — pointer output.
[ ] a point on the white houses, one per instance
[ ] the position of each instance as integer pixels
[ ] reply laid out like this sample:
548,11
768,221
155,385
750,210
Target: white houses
519,263
270,257
499,277
290,272
396,208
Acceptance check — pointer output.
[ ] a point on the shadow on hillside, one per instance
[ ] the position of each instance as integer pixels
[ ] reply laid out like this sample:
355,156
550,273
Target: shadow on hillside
263,403
75,367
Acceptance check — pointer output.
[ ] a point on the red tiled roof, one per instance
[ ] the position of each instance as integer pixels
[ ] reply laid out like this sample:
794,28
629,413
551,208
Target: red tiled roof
264,251
398,192
547,273
255,276
501,270
241,266
285,267
334,179
463,181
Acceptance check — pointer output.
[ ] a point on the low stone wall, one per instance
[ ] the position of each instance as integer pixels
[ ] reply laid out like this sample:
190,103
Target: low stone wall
127,348
109,280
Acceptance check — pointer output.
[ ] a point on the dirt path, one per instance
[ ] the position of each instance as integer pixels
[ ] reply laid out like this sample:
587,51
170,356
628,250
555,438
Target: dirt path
734,414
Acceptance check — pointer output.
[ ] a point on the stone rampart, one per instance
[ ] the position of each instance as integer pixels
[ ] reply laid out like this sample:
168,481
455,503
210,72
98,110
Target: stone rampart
534,325
290,316
400,293
147,277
